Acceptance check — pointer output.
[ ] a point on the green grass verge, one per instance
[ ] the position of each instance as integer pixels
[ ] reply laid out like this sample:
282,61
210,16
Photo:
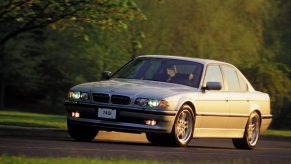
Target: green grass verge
32,119
281,133
64,160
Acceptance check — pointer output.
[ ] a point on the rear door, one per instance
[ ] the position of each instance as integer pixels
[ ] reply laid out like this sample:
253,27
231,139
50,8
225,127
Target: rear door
237,94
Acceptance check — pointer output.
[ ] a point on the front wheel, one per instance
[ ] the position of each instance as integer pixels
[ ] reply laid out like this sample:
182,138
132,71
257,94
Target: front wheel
252,132
181,133
183,127
81,132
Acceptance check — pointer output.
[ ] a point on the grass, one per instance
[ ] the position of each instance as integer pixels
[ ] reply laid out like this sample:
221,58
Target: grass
281,133
56,121
64,160
76,160
32,119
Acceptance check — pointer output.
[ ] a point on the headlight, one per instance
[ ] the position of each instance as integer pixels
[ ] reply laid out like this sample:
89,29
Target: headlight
78,95
151,103
142,102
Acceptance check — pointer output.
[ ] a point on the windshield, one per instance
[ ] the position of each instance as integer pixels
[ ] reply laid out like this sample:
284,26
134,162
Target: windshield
164,70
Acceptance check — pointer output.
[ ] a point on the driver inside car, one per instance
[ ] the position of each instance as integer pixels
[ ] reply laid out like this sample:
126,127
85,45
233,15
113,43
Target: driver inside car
171,71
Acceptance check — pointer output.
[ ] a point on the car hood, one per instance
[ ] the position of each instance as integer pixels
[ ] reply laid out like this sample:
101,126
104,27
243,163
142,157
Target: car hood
135,88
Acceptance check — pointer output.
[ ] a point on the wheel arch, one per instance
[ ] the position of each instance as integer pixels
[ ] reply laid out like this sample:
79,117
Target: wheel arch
191,105
256,108
260,115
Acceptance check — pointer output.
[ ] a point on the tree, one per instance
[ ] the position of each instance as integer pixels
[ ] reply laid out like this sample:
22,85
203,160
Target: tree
68,60
251,34
20,16
276,50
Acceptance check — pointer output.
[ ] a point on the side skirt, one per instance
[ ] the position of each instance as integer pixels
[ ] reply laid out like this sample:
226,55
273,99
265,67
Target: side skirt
218,133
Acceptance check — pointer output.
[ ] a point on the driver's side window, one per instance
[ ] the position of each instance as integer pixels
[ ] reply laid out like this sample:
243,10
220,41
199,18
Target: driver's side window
213,74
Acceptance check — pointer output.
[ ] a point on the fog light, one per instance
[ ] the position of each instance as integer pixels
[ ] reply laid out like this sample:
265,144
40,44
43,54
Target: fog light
76,114
151,122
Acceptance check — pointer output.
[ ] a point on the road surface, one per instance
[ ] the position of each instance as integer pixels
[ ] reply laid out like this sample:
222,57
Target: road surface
40,142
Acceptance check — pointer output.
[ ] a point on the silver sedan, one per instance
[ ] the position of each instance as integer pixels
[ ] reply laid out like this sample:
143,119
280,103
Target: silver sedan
172,100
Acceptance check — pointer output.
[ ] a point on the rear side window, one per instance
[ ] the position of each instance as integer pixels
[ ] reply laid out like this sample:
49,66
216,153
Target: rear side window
231,78
243,83
213,74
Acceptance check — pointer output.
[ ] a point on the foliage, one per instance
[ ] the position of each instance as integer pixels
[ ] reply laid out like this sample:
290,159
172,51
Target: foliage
267,77
17,16
21,16
253,35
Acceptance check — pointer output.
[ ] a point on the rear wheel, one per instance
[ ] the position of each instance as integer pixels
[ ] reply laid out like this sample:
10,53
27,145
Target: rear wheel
252,132
82,132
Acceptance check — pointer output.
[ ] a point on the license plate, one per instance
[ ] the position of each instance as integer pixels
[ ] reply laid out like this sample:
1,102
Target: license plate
107,113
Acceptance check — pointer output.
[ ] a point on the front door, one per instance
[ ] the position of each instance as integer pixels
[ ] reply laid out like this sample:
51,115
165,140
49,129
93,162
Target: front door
213,104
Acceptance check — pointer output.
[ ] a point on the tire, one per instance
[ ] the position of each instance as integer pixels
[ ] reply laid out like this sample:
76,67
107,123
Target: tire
251,135
82,132
182,131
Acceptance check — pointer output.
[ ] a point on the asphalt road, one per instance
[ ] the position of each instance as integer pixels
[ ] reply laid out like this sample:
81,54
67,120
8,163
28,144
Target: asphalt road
57,143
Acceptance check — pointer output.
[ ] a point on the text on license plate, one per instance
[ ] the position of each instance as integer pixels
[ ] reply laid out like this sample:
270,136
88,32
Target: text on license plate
107,113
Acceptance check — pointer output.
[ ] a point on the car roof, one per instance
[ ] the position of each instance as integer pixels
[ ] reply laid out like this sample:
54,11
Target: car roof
202,61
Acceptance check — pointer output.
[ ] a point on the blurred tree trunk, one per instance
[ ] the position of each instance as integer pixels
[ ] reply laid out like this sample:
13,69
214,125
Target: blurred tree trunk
2,92
136,37
133,42
2,77
53,98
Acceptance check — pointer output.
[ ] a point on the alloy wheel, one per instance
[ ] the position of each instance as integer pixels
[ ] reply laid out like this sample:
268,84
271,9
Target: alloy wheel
184,126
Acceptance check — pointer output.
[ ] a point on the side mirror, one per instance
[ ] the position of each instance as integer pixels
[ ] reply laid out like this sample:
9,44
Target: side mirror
106,75
213,86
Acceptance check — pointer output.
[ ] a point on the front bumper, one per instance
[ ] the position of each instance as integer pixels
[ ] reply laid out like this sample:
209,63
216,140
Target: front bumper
127,119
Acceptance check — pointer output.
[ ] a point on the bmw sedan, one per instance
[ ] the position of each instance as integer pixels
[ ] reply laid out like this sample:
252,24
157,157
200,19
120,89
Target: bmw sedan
172,100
